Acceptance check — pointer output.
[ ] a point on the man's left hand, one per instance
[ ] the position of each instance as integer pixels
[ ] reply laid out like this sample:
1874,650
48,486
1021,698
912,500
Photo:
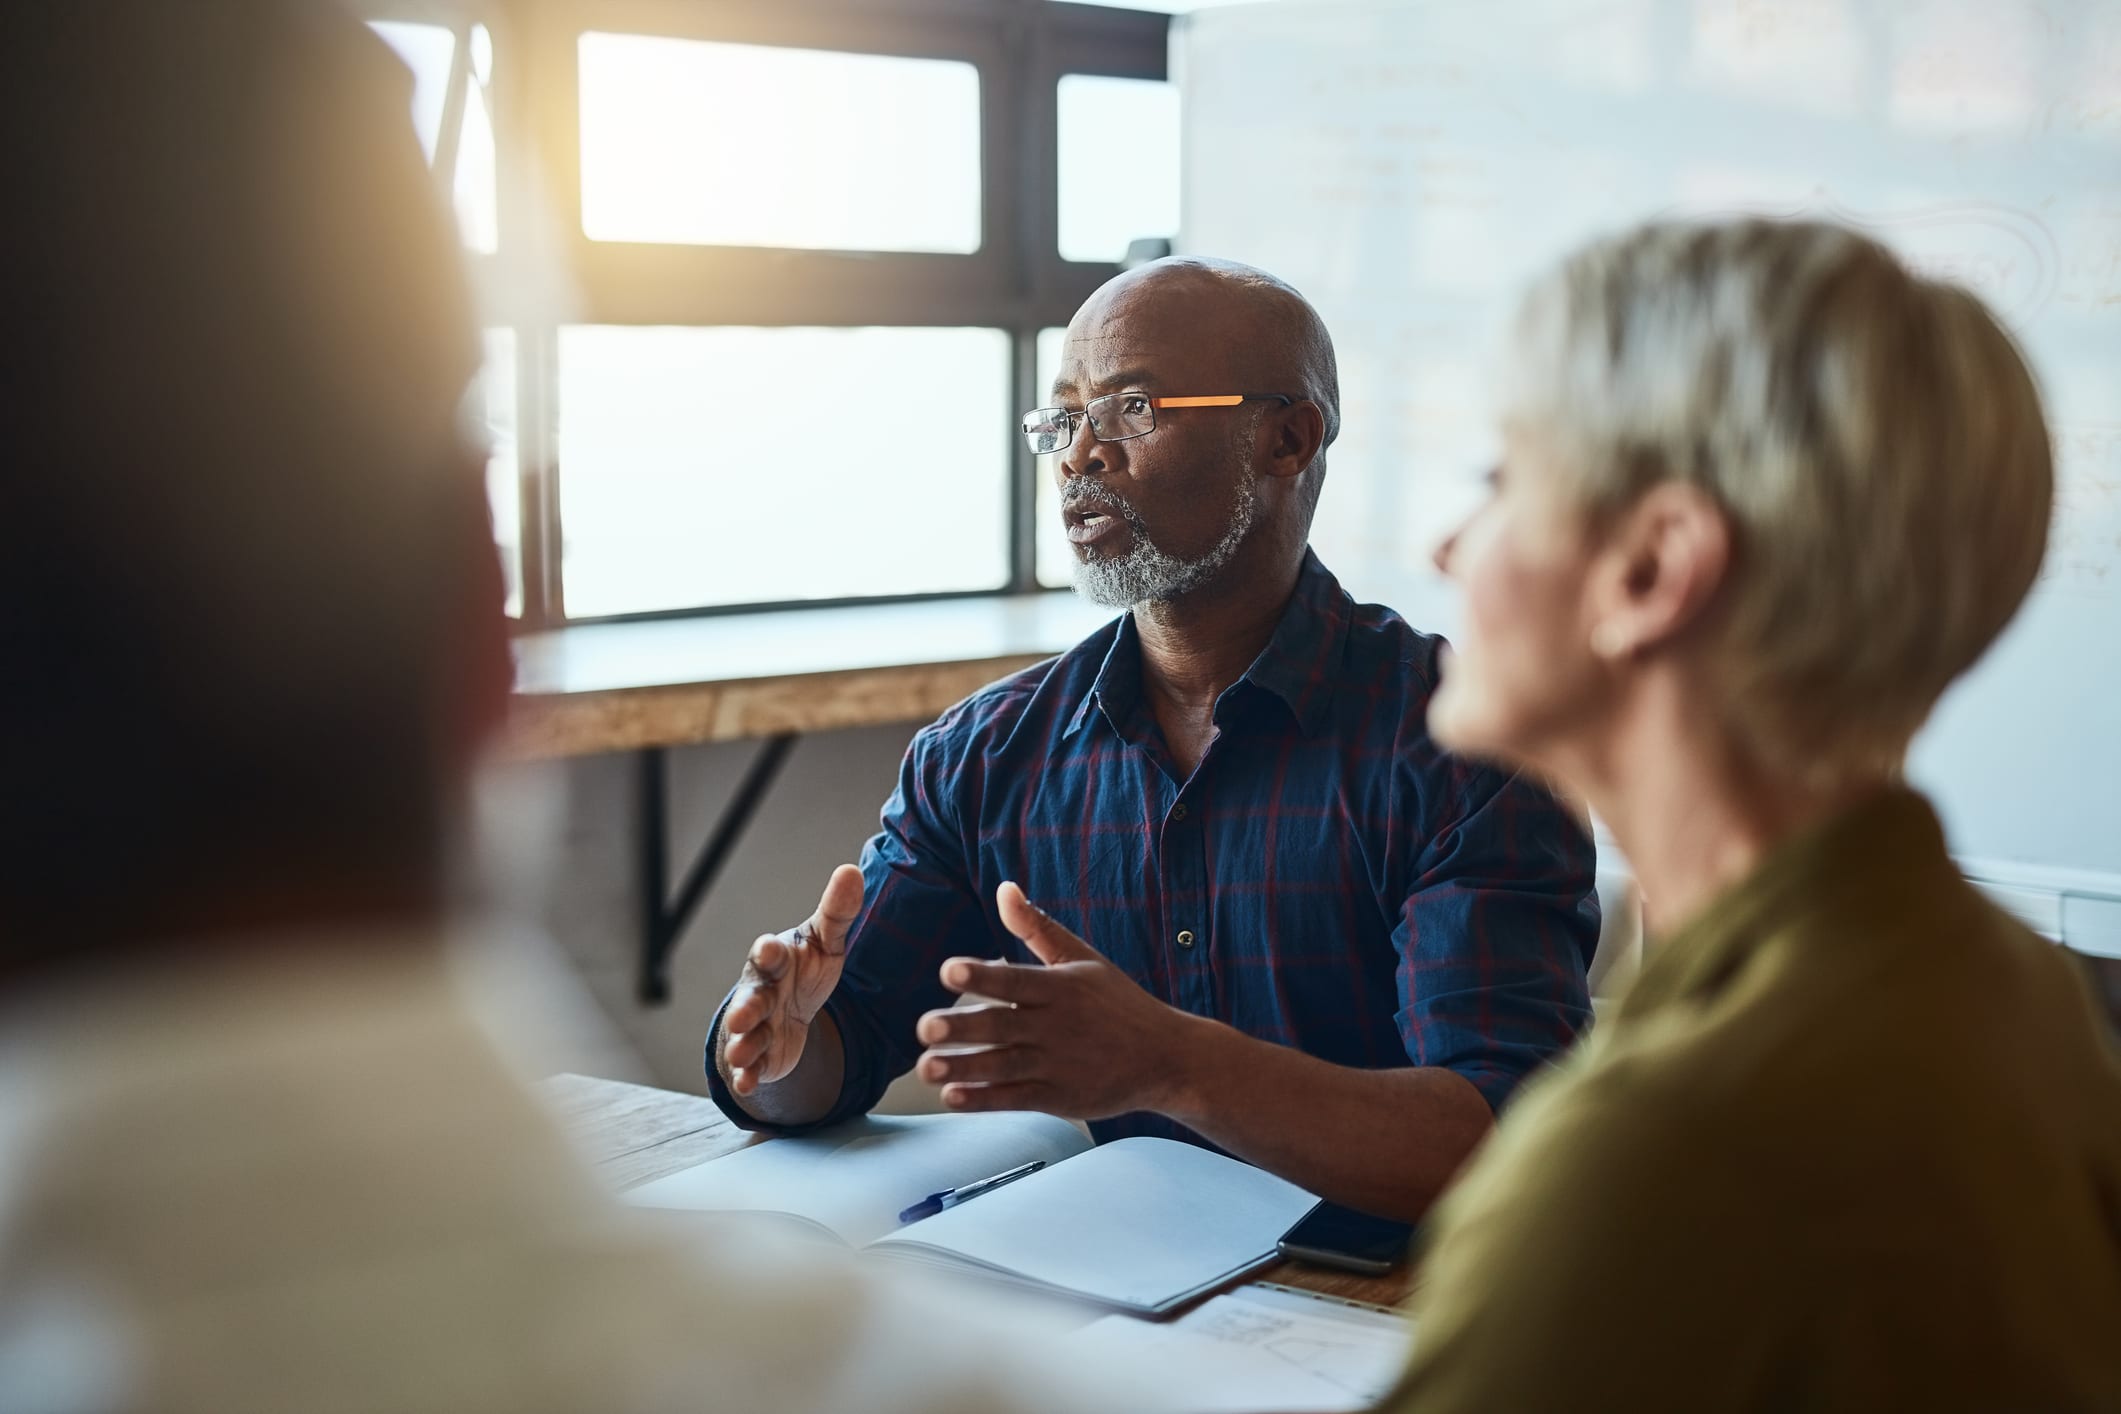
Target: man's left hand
1075,1037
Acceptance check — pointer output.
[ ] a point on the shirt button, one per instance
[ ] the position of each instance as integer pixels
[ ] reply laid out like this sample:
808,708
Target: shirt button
1185,938
1178,811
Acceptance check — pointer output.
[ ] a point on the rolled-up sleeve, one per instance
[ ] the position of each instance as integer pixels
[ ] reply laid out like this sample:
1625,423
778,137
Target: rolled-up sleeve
1496,936
918,909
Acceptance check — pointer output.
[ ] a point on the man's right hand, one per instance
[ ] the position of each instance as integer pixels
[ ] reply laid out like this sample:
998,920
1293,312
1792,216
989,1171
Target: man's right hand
787,978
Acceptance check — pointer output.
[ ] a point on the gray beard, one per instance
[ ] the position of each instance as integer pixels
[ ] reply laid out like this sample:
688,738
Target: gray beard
1147,574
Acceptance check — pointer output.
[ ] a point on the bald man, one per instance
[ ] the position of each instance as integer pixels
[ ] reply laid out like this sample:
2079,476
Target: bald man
1270,914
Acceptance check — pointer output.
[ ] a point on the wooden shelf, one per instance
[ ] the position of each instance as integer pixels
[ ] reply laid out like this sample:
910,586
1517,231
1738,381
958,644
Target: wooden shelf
674,682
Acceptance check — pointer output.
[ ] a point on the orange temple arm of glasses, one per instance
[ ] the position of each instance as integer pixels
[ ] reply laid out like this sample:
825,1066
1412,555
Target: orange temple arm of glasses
1225,400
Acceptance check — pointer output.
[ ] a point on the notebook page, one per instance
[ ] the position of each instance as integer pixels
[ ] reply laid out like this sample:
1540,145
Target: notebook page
1137,1223
854,1178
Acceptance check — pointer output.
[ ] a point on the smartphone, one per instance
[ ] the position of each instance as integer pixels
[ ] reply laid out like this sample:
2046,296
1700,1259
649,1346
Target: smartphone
1333,1236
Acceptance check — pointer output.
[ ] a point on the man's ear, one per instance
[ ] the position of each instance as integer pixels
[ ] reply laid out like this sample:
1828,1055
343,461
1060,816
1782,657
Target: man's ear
1295,434
1665,560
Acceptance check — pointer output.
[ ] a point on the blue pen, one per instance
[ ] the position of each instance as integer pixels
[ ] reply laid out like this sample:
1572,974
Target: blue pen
934,1203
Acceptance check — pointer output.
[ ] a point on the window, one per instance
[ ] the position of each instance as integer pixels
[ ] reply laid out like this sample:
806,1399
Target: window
740,144
769,285
476,181
738,465
1118,164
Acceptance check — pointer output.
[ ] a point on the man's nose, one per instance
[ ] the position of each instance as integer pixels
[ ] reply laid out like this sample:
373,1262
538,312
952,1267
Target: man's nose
1084,455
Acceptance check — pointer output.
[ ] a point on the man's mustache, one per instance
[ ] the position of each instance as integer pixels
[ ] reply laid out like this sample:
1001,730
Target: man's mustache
1089,493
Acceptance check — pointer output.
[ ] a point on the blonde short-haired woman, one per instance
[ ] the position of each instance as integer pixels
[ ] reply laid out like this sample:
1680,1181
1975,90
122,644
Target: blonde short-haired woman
1853,1140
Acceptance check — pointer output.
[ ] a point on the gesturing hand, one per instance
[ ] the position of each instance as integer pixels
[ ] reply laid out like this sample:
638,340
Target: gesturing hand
1080,1038
787,977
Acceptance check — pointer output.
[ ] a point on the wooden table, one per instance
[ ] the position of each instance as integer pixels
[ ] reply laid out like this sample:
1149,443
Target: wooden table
645,687
633,1134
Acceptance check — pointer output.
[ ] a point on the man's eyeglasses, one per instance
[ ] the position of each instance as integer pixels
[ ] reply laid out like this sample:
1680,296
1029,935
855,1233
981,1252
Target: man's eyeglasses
1117,416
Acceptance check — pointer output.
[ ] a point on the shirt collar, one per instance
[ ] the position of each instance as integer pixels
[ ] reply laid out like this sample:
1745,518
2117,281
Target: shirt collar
1300,664
1117,687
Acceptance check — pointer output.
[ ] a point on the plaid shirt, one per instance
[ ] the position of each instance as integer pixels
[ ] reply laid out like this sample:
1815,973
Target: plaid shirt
1326,879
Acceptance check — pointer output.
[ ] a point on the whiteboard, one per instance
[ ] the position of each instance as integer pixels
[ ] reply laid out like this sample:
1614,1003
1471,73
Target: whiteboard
1411,166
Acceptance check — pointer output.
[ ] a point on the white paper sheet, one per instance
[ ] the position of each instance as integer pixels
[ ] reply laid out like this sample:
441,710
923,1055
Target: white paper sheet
1253,1350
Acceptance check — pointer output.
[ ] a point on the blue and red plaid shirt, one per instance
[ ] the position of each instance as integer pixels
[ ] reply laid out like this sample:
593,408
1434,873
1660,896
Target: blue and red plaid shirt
1327,878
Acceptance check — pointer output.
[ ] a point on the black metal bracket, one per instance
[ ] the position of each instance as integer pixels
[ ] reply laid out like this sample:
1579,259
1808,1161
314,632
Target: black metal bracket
664,919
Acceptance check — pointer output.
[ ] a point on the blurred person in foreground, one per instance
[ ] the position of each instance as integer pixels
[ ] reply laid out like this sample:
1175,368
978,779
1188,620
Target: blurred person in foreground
255,1153
1853,1140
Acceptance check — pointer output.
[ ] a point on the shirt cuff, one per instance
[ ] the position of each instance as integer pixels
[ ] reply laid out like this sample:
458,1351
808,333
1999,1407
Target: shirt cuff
718,1088
853,1082
1496,1086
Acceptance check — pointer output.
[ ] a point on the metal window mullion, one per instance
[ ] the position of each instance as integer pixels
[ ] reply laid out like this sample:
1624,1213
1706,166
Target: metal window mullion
1023,467
537,407
1035,229
1005,142
550,156
521,245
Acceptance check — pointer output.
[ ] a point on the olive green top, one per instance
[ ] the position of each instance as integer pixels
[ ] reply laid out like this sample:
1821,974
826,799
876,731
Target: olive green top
1853,1142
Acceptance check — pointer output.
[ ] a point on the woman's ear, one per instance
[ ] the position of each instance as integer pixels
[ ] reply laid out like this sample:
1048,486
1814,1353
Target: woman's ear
1666,557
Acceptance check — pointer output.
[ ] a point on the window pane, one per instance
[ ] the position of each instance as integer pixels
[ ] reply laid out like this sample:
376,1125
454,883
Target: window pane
737,465
478,214
427,50
1118,164
495,394
1056,560
700,143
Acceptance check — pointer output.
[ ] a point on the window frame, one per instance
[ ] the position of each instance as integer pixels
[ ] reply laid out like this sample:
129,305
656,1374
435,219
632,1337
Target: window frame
1015,281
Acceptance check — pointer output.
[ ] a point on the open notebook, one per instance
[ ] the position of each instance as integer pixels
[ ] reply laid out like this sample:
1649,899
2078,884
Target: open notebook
1141,1225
